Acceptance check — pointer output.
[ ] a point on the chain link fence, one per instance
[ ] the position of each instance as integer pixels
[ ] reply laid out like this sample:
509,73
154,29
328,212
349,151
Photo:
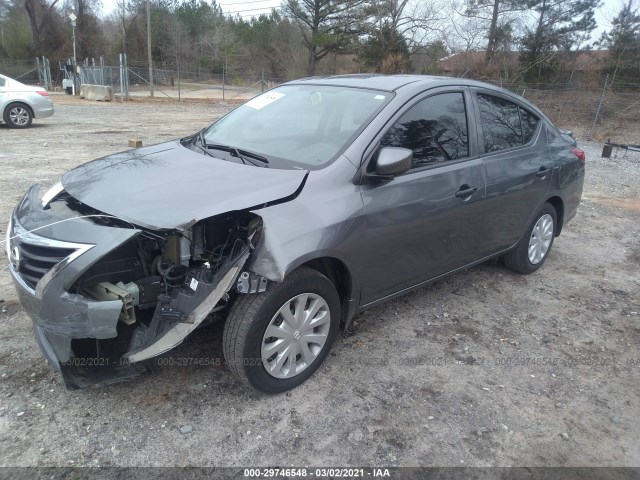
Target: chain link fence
600,109
603,110
177,84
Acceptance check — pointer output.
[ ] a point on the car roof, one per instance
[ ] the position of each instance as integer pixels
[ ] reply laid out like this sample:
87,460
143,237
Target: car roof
391,83
408,84
387,83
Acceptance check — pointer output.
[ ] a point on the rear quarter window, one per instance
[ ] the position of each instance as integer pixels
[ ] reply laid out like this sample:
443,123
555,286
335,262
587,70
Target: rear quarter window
529,125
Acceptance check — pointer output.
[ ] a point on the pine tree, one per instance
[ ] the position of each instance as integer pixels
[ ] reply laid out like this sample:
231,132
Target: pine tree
623,43
560,25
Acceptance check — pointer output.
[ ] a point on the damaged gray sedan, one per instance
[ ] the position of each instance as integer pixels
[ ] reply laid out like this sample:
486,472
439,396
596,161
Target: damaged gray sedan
285,218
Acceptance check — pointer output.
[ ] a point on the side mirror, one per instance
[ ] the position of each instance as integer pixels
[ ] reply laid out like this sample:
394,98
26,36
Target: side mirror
393,161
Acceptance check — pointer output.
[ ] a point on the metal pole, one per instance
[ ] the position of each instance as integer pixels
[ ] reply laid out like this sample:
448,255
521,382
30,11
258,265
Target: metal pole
124,29
595,118
223,73
121,80
149,49
73,87
47,73
126,76
262,82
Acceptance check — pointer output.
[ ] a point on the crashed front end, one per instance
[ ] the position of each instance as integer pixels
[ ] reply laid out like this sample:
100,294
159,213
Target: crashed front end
106,295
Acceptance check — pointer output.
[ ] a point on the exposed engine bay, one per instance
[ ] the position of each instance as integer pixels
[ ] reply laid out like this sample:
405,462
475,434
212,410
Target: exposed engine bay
169,282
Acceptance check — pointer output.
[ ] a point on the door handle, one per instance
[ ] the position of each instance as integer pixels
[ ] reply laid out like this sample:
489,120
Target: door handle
466,191
543,172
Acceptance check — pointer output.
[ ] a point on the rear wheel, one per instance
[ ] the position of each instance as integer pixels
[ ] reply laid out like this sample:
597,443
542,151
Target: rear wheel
18,115
275,340
532,250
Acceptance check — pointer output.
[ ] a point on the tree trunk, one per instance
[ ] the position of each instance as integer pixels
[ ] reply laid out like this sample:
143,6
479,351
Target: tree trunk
313,59
491,46
30,7
538,38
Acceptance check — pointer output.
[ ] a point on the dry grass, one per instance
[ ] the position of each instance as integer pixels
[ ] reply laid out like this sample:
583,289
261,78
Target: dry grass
575,110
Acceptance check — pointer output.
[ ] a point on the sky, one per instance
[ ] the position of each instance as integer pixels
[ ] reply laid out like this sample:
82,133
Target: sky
249,8
245,8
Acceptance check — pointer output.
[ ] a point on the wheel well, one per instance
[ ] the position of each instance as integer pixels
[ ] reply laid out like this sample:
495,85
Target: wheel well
26,105
336,271
557,203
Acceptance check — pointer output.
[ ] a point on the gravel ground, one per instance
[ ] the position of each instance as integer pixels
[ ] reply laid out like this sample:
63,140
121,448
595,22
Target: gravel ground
485,368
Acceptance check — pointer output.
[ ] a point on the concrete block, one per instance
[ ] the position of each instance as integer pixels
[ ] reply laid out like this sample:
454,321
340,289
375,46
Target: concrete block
99,93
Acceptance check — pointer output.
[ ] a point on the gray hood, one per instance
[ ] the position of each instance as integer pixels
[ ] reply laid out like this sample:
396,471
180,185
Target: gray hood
169,186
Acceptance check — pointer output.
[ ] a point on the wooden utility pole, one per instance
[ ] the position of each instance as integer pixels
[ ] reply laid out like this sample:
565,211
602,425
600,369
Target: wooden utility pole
124,26
149,49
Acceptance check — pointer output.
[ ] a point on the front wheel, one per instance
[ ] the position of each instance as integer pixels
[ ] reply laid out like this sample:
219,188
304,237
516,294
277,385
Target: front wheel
275,340
532,250
17,115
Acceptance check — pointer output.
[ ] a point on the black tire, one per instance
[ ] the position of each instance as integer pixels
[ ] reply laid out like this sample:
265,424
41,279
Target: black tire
518,258
24,111
250,316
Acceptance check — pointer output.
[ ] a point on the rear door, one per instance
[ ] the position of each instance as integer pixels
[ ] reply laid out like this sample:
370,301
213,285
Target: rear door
517,165
423,223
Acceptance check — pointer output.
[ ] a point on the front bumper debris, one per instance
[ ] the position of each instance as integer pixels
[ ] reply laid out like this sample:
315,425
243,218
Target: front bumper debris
68,325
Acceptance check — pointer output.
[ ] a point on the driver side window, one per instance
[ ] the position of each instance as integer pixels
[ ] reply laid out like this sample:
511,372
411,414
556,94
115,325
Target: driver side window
435,129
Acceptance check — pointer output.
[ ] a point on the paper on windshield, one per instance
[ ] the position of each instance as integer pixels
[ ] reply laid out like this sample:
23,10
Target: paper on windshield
263,100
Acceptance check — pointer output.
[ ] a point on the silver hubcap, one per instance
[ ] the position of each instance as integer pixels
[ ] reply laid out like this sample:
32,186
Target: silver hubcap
540,240
296,335
19,116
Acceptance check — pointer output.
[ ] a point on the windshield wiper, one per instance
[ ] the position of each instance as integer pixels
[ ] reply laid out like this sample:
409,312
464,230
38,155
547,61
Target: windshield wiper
203,144
236,152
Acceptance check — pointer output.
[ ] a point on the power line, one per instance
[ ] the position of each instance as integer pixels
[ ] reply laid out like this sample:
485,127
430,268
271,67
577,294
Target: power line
251,16
244,3
253,9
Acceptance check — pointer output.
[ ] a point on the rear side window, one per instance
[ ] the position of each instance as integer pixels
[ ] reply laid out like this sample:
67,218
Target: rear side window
435,129
505,124
529,125
2,82
501,128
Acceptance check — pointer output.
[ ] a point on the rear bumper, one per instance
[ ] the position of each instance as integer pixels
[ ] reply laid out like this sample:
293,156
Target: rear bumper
42,106
44,112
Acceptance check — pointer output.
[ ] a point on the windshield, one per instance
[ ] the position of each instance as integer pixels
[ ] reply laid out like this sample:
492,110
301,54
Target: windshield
304,124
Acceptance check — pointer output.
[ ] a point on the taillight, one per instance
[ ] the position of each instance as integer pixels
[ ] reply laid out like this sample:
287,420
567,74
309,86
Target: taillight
579,153
43,93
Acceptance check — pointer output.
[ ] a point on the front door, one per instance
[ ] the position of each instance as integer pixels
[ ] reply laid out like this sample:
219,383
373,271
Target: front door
423,223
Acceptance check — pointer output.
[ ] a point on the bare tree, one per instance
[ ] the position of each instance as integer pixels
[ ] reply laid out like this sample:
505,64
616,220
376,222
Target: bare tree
463,33
498,16
414,21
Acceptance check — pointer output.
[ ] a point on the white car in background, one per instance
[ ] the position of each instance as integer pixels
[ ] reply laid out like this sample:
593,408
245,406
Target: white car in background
20,104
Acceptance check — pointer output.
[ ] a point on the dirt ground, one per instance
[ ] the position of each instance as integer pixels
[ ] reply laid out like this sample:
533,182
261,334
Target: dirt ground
485,368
